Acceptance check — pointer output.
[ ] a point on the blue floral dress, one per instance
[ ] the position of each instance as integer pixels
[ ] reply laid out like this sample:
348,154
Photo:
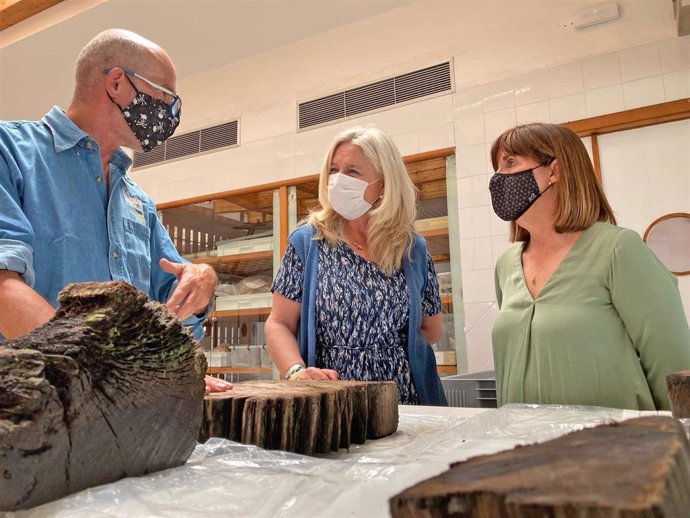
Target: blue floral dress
362,315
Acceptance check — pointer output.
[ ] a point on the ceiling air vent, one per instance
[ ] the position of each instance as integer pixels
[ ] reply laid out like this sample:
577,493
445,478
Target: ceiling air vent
201,141
414,85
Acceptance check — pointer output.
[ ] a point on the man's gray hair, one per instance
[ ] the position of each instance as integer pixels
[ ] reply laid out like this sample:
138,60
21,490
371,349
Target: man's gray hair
110,48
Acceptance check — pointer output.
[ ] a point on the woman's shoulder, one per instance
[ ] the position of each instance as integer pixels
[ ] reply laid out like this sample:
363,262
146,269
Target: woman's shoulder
613,236
302,232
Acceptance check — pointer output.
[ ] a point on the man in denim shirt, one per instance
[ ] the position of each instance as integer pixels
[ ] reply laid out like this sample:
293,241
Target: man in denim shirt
69,212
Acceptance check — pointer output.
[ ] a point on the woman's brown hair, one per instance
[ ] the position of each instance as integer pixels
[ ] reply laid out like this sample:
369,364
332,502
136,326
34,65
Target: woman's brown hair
581,201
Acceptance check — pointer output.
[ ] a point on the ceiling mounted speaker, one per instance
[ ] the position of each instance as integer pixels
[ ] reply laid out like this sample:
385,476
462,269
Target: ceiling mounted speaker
596,14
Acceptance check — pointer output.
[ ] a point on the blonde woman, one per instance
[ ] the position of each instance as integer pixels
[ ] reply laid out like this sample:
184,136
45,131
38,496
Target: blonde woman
356,296
588,315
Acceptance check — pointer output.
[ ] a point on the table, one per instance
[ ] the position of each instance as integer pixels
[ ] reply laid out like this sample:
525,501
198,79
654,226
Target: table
225,479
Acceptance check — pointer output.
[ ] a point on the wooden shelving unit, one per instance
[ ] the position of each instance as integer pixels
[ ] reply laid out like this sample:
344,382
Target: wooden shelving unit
238,313
242,265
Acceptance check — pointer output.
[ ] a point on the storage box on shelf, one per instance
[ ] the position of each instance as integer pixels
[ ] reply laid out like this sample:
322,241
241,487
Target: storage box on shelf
237,302
244,246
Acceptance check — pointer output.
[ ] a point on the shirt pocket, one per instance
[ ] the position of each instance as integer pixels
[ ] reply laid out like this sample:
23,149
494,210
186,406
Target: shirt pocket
138,252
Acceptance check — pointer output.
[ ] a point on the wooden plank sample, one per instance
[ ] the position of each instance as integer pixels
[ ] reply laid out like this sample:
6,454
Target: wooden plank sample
634,469
302,416
678,386
112,386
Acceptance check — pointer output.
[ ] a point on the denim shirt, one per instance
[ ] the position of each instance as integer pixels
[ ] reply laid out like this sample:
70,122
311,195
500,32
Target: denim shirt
60,224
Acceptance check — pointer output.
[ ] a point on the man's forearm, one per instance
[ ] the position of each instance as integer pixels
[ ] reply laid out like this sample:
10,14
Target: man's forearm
21,309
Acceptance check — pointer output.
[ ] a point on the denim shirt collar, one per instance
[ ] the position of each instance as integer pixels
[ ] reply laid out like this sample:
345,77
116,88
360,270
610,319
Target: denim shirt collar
66,135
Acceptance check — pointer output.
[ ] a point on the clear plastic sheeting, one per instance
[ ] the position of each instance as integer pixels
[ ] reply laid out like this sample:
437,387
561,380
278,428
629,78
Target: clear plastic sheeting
223,478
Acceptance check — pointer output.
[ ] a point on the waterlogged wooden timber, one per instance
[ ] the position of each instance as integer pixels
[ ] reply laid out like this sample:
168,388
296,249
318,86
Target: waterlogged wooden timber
303,417
111,387
678,386
634,469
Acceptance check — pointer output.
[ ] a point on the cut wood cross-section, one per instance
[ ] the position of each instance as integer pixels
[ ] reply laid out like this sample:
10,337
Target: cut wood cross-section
302,417
634,469
112,386
678,385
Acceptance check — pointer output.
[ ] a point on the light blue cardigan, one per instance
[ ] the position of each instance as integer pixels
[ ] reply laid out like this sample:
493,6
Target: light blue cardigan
420,354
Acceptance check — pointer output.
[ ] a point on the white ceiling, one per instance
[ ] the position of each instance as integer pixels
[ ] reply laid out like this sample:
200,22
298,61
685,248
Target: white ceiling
198,34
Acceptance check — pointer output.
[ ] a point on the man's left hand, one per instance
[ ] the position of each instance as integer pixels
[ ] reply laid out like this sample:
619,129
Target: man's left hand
196,284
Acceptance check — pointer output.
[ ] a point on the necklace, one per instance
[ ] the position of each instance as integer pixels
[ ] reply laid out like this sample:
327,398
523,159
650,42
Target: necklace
357,245
539,271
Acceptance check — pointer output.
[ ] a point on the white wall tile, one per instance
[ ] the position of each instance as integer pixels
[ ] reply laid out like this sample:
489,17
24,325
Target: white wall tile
474,222
475,254
479,353
675,54
407,143
479,346
478,286
437,137
604,70
469,131
467,101
305,165
498,95
473,312
643,92
568,108
499,244
498,226
531,88
640,62
278,120
677,85
607,99
565,79
473,191
536,112
471,160
497,122
314,140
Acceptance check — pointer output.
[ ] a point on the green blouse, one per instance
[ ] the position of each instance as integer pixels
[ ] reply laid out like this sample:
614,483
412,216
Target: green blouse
605,330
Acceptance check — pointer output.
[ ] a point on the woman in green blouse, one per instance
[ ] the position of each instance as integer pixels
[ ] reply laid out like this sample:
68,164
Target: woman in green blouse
588,315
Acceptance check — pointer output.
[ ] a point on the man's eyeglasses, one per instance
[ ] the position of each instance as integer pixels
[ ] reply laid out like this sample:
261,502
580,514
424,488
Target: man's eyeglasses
175,105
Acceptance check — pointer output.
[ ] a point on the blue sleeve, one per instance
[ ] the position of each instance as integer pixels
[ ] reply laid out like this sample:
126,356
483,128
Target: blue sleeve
16,233
431,299
290,277
163,284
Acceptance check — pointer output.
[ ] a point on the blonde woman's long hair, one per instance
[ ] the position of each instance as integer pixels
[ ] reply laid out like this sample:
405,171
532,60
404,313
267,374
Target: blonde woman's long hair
580,201
390,231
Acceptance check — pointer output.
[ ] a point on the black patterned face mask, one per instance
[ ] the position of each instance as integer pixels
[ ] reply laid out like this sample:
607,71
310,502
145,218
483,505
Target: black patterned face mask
513,194
150,119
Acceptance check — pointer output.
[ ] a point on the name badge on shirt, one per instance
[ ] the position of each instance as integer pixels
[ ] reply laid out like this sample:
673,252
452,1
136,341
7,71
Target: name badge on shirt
136,206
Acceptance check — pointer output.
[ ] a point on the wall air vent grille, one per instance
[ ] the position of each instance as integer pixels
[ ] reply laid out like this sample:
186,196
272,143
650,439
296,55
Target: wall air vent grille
201,141
389,92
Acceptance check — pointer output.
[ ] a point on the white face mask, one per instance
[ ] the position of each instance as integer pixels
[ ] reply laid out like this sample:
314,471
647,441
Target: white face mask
346,195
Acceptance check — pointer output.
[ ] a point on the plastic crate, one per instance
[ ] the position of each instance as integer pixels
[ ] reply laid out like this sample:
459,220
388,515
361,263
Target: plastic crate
244,246
251,301
476,390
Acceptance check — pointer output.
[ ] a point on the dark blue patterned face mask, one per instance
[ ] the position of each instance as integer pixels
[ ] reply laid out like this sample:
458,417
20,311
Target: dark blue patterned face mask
512,194
151,120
